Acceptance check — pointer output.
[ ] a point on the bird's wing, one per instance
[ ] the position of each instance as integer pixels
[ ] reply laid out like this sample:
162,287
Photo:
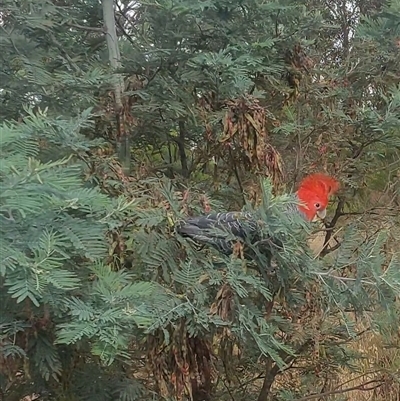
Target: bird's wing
219,229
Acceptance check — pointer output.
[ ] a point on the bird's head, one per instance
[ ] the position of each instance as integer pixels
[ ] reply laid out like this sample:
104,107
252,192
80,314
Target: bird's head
314,192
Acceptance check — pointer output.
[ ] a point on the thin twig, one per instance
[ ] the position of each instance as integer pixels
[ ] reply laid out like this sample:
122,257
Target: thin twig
86,28
360,387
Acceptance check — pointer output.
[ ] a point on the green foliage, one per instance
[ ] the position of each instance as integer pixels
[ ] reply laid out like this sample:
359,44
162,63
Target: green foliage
93,278
53,234
115,309
45,62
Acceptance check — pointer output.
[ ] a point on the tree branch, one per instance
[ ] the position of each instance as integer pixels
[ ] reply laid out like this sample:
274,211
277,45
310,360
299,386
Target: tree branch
329,226
86,28
272,370
360,387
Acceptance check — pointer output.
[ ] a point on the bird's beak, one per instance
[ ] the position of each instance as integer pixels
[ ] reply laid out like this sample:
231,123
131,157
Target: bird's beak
321,214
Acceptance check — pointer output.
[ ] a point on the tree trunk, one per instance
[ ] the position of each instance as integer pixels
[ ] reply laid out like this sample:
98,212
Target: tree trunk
122,137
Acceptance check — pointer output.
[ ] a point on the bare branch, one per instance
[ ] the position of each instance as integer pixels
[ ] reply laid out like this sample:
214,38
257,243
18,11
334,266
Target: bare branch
86,28
361,387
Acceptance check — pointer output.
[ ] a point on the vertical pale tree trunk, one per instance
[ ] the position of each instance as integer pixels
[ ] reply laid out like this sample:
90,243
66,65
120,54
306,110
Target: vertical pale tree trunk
118,84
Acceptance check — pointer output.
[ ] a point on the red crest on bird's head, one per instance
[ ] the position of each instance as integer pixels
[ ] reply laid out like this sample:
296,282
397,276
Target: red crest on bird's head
314,192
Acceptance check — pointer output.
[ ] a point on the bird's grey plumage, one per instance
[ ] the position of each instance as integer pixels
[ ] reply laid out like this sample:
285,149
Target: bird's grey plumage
223,230
220,230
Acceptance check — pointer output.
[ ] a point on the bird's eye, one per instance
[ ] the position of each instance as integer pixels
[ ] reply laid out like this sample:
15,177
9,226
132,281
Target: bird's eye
317,205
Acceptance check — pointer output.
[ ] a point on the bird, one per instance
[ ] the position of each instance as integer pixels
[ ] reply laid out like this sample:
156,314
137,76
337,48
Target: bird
223,230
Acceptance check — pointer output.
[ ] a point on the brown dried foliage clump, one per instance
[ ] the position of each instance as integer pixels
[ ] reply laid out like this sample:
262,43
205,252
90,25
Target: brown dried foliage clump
224,341
246,135
183,367
112,123
298,63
